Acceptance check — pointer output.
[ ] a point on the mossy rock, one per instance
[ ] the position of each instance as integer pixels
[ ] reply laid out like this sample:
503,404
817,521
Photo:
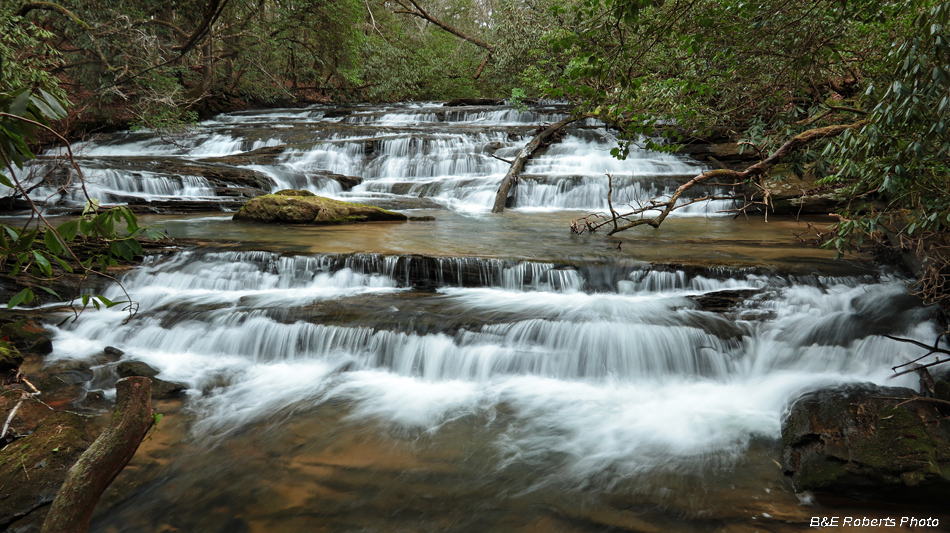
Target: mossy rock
10,357
303,207
27,336
33,468
865,441
294,192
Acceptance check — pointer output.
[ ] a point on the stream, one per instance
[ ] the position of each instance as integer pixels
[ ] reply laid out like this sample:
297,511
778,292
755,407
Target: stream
477,372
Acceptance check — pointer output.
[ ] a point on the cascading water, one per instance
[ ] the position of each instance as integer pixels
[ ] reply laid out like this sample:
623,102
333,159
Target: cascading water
474,373
453,157
603,373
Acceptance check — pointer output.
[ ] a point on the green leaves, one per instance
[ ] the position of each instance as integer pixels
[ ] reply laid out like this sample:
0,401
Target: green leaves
24,296
22,114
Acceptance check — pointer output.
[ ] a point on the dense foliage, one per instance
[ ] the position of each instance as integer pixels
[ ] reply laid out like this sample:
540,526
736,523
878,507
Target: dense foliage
765,71
158,64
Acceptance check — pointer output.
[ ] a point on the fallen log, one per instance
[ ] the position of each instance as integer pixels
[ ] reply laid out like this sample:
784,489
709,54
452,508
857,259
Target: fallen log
101,463
522,158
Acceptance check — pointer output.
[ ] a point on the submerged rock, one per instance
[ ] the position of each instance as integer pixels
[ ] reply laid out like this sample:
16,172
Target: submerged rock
867,442
303,207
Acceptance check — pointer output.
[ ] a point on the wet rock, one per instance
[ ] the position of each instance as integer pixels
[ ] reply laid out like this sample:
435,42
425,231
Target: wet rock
128,369
347,182
27,335
10,357
142,205
113,351
261,156
32,468
723,152
303,207
721,301
94,397
160,387
867,442
217,173
458,102
167,389
72,371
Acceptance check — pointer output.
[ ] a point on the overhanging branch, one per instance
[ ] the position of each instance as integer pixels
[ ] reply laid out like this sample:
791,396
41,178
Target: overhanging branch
636,217
411,7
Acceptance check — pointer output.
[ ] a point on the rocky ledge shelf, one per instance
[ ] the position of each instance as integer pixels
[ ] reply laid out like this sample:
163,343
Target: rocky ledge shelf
303,207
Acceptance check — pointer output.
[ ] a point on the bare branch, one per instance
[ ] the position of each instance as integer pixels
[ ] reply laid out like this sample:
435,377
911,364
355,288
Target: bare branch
759,169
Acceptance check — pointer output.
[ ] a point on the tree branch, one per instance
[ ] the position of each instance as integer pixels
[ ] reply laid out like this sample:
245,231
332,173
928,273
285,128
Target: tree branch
666,207
412,7
519,162
48,6
101,463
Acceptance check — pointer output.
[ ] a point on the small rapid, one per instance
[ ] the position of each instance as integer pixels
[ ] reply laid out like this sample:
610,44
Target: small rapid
621,364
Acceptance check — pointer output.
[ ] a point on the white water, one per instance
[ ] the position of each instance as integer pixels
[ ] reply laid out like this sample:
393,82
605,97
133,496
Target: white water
402,151
620,381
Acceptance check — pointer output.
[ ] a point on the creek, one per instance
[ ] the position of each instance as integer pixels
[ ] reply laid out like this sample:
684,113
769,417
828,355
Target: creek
477,372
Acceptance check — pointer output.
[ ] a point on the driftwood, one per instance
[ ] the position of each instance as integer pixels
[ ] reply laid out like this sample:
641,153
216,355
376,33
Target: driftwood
101,463
512,176
666,206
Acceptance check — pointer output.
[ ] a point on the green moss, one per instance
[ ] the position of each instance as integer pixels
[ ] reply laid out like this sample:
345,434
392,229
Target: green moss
310,209
27,336
10,357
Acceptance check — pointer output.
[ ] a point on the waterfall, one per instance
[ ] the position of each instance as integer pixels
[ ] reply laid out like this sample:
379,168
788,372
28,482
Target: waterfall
538,337
454,157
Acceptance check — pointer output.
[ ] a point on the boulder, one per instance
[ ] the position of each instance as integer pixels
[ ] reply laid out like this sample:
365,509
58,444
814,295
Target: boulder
72,371
864,441
160,387
27,335
128,369
10,357
32,468
303,207
346,182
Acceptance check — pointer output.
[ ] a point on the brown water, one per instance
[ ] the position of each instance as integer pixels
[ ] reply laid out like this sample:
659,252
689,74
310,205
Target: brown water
534,236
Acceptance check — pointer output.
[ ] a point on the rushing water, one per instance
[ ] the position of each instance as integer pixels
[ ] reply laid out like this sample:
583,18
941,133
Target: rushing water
478,372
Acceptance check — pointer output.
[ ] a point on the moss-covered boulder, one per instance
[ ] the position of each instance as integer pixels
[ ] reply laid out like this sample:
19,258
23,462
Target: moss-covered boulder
26,334
33,468
868,442
10,357
303,207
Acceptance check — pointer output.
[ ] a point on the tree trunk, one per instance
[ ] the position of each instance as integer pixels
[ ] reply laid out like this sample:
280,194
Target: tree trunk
101,463
519,162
